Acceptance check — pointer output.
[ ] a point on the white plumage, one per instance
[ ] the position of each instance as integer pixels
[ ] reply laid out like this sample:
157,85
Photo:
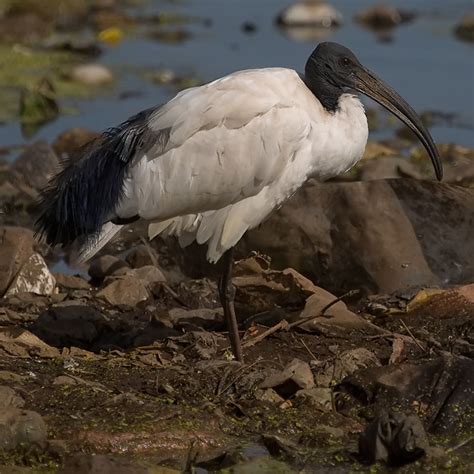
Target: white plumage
237,148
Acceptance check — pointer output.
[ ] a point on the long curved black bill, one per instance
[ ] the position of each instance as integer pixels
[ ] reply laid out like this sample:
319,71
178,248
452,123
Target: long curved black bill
370,85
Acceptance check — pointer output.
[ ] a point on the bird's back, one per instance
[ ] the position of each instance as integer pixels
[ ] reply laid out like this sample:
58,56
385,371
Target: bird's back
209,164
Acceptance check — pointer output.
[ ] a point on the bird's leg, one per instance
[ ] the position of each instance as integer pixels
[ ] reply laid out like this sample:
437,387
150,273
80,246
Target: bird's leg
227,294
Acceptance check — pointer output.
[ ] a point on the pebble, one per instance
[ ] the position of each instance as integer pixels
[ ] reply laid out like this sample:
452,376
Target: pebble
310,13
92,74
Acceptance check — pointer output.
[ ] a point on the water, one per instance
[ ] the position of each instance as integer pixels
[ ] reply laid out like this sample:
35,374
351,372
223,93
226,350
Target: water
425,63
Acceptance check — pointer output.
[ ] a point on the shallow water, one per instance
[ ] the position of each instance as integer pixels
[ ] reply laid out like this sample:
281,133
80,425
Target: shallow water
424,62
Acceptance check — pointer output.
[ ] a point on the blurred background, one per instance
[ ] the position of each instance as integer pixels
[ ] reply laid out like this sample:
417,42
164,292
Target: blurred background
93,63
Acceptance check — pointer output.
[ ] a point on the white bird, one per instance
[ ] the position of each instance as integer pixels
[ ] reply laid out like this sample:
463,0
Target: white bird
215,160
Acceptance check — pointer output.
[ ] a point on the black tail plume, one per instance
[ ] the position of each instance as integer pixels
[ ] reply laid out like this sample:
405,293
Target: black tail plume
85,193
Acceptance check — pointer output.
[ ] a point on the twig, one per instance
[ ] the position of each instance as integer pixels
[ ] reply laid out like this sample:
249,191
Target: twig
308,349
415,340
323,311
238,376
283,324
461,444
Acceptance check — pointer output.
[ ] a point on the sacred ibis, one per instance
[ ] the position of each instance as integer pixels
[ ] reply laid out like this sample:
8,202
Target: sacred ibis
215,160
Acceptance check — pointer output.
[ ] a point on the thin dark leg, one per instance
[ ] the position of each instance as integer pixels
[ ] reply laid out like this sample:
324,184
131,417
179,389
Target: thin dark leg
227,293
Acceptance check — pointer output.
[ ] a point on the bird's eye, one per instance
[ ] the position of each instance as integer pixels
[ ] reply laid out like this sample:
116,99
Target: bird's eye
346,61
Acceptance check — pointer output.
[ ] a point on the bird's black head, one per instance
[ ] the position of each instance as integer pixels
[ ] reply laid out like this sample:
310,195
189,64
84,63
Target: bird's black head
335,66
332,70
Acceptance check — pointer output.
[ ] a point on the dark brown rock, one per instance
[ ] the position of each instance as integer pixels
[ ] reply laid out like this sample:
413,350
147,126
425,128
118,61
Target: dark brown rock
105,265
465,29
74,325
384,16
381,236
16,247
142,255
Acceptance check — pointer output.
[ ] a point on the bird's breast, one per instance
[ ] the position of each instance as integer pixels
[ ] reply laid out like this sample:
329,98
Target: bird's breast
338,139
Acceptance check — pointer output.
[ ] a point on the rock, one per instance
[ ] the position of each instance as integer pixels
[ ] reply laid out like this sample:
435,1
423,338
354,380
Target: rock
104,266
149,274
441,391
35,165
69,141
38,105
269,395
465,28
74,325
320,397
248,27
347,363
337,320
71,282
295,376
92,74
109,464
128,291
372,235
18,342
310,13
382,16
16,247
394,438
33,277
202,317
12,377
21,428
390,167
142,255
9,398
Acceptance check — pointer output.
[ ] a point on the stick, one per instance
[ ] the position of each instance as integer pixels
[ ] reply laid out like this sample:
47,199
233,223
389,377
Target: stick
412,336
283,324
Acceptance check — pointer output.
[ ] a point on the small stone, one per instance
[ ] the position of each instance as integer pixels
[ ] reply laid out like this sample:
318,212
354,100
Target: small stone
142,255
128,292
34,277
71,282
383,16
295,376
21,428
310,13
9,398
149,274
269,395
92,74
320,397
248,27
105,265
465,29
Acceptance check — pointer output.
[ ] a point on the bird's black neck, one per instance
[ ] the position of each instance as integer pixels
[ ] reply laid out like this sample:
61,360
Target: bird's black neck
327,93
